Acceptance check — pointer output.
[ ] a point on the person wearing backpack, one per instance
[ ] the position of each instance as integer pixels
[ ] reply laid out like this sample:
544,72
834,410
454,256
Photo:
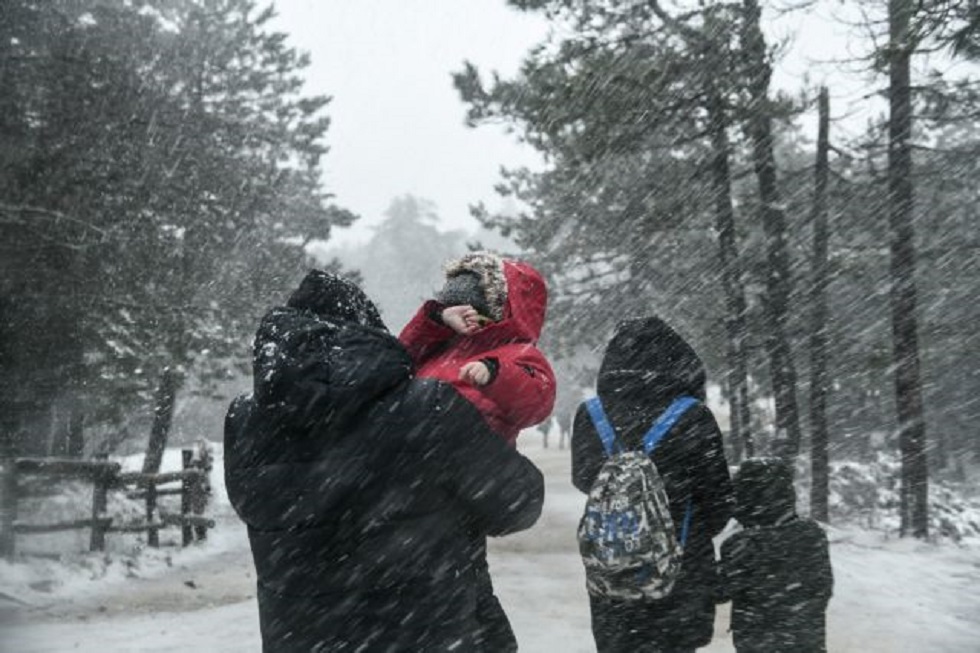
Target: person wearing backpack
651,394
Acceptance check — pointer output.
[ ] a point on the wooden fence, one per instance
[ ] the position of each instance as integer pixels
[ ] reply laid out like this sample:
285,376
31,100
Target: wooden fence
192,487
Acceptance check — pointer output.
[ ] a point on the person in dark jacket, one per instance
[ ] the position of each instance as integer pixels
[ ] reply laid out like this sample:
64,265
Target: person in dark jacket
355,485
646,366
777,571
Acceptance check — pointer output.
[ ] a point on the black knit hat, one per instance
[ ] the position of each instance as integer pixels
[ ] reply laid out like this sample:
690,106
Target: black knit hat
464,288
764,492
335,299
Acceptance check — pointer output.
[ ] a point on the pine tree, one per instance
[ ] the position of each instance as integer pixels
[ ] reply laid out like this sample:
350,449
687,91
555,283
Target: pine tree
634,109
819,385
156,151
758,127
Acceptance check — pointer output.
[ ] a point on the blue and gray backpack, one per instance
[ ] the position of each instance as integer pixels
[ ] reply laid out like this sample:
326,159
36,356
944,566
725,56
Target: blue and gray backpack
627,538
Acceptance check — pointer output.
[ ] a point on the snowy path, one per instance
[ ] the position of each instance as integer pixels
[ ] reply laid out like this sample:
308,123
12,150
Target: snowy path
890,596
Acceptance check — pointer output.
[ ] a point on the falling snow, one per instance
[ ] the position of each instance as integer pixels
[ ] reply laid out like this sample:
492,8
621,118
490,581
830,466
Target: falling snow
789,188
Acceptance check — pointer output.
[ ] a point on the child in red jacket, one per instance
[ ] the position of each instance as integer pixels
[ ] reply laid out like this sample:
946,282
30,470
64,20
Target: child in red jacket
479,334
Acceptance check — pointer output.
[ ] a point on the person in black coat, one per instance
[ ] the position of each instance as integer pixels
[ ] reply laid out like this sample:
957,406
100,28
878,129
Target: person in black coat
359,484
777,571
646,366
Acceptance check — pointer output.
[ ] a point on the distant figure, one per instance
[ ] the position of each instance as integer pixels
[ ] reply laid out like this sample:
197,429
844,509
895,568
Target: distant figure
647,369
479,334
569,396
777,571
362,486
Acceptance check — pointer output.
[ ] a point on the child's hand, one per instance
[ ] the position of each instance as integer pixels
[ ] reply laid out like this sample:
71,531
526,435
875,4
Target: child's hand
461,319
475,373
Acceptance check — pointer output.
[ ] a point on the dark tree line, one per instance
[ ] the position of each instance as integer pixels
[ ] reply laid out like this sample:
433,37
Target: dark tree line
159,178
676,184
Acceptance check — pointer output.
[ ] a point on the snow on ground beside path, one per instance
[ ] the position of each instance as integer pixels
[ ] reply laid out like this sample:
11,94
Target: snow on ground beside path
77,573
903,595
227,629
538,574
892,596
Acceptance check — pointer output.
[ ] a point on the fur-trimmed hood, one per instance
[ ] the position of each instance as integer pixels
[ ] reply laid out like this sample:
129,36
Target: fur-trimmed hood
516,293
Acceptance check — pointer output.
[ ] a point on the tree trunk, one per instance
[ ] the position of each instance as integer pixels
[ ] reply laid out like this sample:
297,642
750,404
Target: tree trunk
759,129
908,387
76,432
818,324
163,414
56,443
8,483
731,272
735,324
940,458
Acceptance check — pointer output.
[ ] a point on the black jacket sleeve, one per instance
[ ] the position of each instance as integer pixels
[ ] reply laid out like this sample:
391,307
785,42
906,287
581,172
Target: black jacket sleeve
499,490
272,492
587,452
235,442
733,567
817,558
712,487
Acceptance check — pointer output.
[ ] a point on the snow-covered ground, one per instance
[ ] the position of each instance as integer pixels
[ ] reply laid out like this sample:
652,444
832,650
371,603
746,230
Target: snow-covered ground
891,595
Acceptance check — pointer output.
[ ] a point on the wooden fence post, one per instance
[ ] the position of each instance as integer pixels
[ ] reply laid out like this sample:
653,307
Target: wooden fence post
187,486
100,503
152,533
202,489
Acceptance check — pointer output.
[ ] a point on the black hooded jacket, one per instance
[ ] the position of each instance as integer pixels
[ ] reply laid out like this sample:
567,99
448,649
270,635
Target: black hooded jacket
777,571
359,484
647,365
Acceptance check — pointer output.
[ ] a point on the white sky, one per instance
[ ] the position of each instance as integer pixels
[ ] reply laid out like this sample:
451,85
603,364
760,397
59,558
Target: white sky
397,122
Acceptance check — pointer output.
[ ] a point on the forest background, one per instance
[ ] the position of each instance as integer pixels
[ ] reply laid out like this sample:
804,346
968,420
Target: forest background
161,185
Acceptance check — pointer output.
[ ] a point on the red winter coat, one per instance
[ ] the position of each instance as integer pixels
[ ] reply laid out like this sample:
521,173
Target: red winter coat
522,393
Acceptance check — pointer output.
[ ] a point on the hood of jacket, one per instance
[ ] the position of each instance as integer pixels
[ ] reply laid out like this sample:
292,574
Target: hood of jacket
334,298
764,492
317,360
648,363
515,292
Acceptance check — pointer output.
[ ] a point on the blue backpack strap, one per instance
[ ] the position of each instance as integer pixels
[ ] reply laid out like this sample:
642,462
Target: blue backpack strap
665,422
686,525
656,433
602,426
